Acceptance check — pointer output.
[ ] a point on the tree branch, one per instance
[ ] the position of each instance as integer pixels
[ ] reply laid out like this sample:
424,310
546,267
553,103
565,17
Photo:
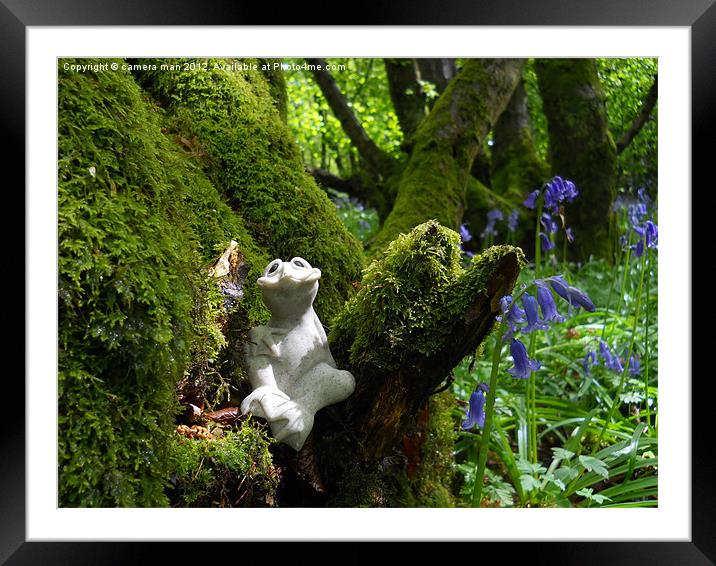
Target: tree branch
368,150
644,112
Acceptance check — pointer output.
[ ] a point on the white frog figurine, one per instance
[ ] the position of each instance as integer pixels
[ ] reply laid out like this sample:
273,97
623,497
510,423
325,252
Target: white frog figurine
290,366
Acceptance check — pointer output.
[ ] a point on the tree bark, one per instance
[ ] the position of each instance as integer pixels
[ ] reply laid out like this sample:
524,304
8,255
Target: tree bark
516,169
641,119
434,182
581,147
437,71
407,96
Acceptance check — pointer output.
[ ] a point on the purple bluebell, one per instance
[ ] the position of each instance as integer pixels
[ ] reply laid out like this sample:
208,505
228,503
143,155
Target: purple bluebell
476,408
572,295
531,311
547,304
611,361
581,299
465,235
557,191
634,365
515,315
570,235
524,365
513,219
549,223
590,359
649,235
561,287
493,216
531,200
545,242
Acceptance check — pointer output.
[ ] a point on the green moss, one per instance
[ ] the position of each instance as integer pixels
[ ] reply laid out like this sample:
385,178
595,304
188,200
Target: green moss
248,153
410,298
231,470
138,225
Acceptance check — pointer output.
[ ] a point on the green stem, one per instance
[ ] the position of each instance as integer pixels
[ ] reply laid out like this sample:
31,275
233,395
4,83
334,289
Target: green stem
646,346
489,412
531,382
616,402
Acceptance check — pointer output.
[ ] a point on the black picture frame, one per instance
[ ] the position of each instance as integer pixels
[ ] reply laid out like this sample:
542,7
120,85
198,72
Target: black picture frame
698,15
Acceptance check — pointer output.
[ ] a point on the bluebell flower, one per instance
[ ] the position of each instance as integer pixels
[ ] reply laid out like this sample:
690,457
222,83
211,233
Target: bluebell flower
634,365
524,365
547,304
465,233
513,219
476,408
533,320
549,223
648,237
545,242
569,234
531,200
493,216
561,287
581,299
589,360
611,361
513,313
557,191
572,295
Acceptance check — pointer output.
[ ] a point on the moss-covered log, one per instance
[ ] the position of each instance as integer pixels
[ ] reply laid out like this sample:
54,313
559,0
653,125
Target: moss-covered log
416,315
434,182
581,147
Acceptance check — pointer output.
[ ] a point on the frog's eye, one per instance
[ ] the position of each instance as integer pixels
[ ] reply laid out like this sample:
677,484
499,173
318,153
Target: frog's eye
298,263
272,268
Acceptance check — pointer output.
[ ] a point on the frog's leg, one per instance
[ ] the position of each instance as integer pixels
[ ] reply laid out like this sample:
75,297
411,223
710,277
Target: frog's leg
322,385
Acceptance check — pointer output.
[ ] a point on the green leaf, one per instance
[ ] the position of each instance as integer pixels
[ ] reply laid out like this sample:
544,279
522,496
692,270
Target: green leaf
595,465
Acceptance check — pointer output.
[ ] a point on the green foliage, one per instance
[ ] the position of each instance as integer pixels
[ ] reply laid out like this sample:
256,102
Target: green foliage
247,151
138,225
234,469
360,221
626,83
318,132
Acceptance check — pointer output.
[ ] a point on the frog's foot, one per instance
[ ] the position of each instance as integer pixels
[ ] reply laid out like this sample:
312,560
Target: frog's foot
293,425
266,402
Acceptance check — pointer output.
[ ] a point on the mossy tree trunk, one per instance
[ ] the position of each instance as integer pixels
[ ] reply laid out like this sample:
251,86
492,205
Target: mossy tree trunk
581,147
433,184
516,169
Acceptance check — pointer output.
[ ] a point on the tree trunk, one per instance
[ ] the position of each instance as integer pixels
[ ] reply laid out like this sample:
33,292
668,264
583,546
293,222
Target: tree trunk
434,182
407,96
516,169
437,71
581,147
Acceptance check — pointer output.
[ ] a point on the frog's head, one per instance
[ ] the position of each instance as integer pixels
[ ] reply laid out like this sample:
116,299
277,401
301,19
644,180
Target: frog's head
289,287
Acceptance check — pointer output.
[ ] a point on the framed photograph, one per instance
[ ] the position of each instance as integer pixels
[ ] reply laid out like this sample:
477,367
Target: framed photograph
79,77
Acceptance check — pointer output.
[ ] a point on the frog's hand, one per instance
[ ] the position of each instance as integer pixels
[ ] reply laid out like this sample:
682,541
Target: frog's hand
263,342
266,402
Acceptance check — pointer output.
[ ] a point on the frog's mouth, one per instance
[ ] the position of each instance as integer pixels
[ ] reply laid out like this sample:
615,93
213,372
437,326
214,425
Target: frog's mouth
287,277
